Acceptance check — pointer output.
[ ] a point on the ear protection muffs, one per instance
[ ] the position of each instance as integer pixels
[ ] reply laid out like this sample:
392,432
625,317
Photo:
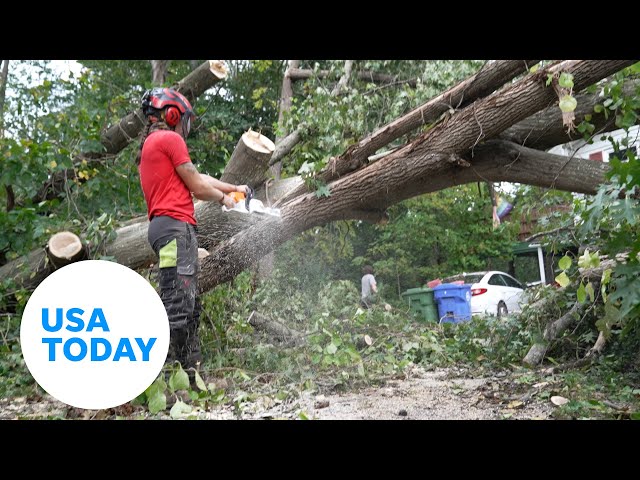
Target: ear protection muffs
172,116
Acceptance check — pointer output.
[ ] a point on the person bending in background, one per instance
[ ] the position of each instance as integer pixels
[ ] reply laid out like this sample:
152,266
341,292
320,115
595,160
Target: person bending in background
369,287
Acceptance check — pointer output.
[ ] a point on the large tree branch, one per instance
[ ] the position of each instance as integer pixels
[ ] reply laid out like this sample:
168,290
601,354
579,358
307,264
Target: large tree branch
488,79
545,130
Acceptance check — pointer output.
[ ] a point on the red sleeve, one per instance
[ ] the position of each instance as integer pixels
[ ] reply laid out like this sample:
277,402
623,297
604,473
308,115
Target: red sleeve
176,149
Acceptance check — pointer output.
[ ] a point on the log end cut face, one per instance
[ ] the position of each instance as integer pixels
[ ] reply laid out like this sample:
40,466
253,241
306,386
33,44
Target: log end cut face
218,68
65,245
258,142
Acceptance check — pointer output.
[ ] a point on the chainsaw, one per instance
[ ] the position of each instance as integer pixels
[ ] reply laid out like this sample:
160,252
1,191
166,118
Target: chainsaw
248,204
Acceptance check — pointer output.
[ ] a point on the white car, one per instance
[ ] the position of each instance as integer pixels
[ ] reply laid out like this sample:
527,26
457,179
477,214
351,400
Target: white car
493,292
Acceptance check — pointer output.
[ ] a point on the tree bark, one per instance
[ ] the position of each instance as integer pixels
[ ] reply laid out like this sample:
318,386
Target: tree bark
159,71
11,196
344,79
118,136
285,146
477,86
249,160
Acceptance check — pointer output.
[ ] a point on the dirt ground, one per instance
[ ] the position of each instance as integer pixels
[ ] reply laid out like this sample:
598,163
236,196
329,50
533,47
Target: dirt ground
442,394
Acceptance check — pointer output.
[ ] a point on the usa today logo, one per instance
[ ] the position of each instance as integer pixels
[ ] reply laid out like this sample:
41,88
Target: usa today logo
94,334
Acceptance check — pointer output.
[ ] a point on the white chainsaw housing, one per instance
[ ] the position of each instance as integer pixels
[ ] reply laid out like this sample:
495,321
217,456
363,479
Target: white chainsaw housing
255,206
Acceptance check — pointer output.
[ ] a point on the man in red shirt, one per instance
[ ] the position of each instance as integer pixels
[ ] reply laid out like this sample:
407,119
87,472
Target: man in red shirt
168,179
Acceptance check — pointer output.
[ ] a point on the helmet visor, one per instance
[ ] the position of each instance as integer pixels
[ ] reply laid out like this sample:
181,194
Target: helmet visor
186,125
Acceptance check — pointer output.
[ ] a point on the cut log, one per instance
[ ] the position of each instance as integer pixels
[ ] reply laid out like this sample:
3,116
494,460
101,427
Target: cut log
249,161
64,248
363,341
275,329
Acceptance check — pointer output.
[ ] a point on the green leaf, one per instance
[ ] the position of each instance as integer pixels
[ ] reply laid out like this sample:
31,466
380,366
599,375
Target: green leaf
565,262
606,278
323,191
563,280
549,79
179,380
157,402
331,348
180,409
158,386
565,80
302,416
598,108
581,294
200,383
590,291
589,260
535,68
568,103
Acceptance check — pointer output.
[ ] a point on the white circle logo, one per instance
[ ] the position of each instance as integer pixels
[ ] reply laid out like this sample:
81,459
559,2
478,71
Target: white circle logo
94,334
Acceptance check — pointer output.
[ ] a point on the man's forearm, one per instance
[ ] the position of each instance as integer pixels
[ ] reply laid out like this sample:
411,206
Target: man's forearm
222,186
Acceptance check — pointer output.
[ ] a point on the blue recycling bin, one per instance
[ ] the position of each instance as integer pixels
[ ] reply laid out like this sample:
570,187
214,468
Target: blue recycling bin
454,302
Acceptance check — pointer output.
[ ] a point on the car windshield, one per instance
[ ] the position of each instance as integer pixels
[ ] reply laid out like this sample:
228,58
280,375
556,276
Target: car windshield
466,278
472,278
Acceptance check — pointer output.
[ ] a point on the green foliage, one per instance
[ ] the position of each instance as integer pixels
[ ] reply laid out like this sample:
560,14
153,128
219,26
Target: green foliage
15,379
436,235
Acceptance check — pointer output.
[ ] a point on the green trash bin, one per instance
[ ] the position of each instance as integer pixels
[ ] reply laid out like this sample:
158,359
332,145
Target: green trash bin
422,303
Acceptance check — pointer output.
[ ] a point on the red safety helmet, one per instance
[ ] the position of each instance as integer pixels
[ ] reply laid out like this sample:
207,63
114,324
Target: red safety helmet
175,105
